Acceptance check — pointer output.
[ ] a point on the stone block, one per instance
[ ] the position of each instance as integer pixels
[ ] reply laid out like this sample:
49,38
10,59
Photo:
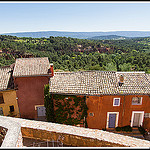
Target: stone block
27,132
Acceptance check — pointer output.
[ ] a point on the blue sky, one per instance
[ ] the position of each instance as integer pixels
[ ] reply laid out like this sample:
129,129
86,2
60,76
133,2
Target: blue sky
74,16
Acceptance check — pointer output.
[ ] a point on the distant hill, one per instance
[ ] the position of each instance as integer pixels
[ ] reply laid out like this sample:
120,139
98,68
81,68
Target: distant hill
80,35
108,37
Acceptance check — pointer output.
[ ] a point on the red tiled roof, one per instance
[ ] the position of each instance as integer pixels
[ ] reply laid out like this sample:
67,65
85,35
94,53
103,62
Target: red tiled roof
99,83
5,74
31,66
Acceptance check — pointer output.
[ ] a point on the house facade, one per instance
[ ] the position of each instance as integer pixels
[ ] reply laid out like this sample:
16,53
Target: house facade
30,75
8,101
113,98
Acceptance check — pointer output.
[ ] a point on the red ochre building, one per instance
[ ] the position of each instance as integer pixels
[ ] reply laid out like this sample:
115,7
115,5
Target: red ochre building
113,98
30,75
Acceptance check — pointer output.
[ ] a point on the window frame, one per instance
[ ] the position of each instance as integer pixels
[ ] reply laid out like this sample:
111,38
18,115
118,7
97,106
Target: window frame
137,103
91,114
114,101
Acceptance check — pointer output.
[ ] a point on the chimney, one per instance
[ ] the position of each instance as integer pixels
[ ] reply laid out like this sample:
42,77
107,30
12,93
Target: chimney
51,70
121,80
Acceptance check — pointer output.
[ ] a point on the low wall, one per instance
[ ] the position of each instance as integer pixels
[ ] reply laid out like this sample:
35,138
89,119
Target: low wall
13,137
66,139
76,136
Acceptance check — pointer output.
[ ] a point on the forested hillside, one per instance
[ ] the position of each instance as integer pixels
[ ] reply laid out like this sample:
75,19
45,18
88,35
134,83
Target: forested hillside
72,54
79,35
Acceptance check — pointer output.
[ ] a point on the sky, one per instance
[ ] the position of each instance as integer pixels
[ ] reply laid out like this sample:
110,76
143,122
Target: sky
79,16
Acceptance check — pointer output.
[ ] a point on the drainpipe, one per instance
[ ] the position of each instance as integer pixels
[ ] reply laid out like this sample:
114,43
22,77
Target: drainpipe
123,111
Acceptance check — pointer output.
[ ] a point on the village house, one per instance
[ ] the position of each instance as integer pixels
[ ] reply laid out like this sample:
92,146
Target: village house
8,101
114,99
30,75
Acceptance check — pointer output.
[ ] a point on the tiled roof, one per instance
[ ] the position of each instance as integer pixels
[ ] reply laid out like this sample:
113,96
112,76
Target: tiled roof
84,82
31,66
5,74
148,77
134,82
99,83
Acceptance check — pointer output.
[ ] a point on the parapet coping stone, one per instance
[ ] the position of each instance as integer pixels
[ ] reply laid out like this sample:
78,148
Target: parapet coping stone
84,132
13,132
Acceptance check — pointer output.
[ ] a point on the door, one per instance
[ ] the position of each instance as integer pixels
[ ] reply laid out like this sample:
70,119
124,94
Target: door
41,111
112,121
136,119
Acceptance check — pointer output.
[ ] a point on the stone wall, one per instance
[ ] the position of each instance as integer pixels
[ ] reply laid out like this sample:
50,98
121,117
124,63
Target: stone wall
3,132
13,137
76,136
66,139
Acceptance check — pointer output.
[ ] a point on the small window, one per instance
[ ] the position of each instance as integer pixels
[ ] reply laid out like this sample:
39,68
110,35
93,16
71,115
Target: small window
147,115
116,102
11,108
91,114
1,98
136,100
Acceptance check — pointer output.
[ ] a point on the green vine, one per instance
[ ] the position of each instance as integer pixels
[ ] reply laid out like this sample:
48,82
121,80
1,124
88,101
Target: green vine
48,103
65,109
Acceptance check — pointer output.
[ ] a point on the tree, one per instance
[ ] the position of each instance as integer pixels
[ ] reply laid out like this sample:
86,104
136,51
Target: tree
125,67
110,67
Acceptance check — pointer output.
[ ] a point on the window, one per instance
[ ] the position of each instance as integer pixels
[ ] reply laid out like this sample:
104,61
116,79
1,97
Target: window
1,98
147,115
136,100
116,102
91,114
11,108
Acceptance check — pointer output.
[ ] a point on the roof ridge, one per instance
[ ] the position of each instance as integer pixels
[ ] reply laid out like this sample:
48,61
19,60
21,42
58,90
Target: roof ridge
4,67
131,72
32,58
87,71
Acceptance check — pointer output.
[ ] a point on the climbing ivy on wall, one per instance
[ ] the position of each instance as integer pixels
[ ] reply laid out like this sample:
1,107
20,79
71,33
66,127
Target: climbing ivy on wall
49,106
65,109
70,109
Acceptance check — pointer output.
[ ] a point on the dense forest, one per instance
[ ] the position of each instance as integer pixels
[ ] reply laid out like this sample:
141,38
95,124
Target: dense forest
72,54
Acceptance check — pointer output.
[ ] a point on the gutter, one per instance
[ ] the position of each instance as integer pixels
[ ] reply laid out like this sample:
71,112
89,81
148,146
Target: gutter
98,95
123,111
33,76
7,90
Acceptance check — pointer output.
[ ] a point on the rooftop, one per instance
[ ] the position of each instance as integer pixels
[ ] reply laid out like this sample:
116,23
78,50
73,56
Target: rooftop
99,83
5,76
31,66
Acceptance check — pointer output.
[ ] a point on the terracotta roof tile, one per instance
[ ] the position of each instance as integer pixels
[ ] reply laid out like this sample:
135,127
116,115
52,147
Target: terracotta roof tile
5,75
148,77
84,82
134,82
99,83
31,66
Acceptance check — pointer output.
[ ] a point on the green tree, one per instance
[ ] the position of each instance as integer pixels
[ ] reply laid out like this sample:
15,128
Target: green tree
110,67
125,67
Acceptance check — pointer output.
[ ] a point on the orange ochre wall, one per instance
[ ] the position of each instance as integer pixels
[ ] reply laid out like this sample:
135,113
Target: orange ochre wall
30,93
100,105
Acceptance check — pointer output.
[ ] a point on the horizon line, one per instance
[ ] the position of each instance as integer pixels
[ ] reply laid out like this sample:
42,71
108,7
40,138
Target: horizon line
76,31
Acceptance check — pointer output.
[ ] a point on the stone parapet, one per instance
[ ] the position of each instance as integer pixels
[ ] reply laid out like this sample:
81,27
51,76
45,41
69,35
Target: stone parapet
13,137
94,137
